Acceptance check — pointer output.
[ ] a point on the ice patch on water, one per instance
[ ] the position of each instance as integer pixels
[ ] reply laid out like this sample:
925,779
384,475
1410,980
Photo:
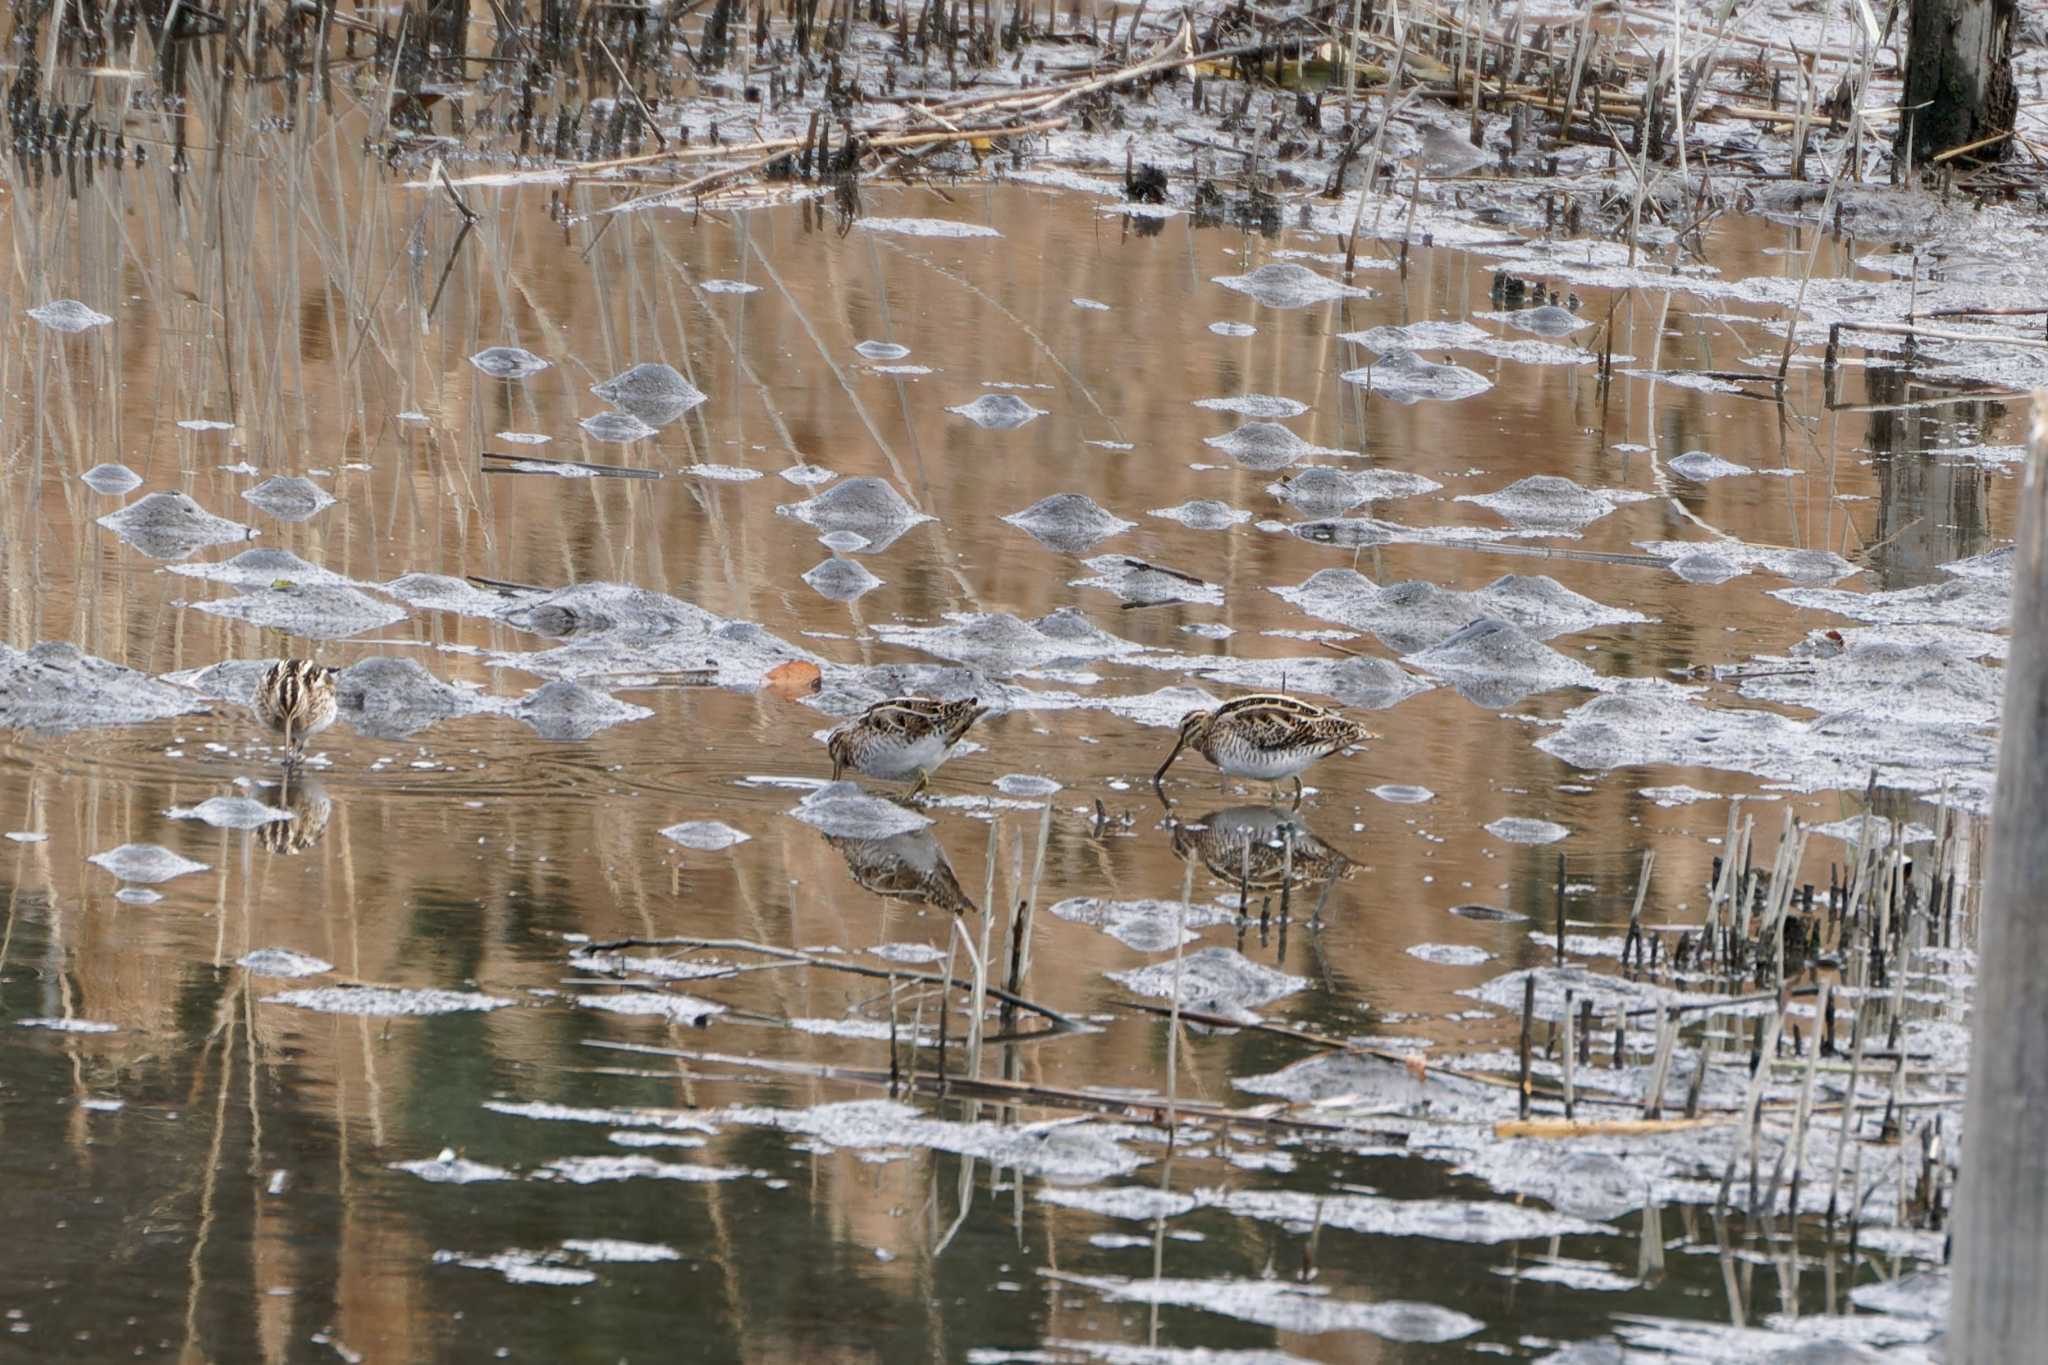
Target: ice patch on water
1262,407
229,812
1320,491
808,475
706,836
1449,954
282,962
1703,466
171,526
841,580
55,688
68,1025
1002,644
1265,446
508,362
1141,584
1144,925
616,428
111,479
998,411
1213,981
1288,1307
1233,329
1679,795
1976,603
613,1249
68,315
315,611
1436,335
1515,829
1496,663
1204,514
1416,615
521,1267
1283,284
289,498
1553,503
1406,378
1451,1220
1060,1151
1811,566
145,863
667,1120
925,227
843,810
869,507
450,1169
681,1009
386,1000
1068,522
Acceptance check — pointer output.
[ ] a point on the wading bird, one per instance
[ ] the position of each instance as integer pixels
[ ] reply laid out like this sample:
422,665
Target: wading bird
297,699
1268,738
902,737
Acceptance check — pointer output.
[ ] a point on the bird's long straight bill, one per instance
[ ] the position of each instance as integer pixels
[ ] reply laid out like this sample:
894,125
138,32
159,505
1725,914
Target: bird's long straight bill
1159,778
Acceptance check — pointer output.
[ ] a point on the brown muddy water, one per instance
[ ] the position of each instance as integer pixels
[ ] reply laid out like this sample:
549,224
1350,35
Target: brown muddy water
576,1162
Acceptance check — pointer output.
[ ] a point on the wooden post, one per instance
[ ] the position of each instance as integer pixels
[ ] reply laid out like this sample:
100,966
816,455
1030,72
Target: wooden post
1959,92
1998,1312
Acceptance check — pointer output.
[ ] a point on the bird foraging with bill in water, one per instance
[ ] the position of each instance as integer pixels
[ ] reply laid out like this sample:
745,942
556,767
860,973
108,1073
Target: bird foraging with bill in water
902,737
297,700
1268,737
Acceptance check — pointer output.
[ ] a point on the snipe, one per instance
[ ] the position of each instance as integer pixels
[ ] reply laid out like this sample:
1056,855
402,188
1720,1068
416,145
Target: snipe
297,699
902,737
1268,737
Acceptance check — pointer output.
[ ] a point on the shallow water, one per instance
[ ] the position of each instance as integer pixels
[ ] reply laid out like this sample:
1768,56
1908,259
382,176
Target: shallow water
232,1171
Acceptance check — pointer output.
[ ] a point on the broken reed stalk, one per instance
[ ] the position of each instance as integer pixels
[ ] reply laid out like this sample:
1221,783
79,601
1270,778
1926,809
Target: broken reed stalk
1752,1118
1570,1025
1528,1012
946,1004
1667,1038
1560,909
1180,921
1827,208
1634,943
977,1020
1020,939
1805,1112
1568,1128
894,1072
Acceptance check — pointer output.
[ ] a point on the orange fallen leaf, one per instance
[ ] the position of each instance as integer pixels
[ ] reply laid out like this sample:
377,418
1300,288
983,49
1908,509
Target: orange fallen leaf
794,679
1418,1066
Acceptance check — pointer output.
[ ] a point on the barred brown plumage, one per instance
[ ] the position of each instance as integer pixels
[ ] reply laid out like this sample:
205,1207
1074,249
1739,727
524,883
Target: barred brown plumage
296,699
1268,737
902,737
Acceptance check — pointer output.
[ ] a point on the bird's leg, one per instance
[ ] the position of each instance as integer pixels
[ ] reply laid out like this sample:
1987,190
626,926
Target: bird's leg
1297,791
924,781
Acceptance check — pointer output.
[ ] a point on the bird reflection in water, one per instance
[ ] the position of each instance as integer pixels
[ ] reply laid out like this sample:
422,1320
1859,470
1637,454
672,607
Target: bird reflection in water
904,867
1263,850
310,808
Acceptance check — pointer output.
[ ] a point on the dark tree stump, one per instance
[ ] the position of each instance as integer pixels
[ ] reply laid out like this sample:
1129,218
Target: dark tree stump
1959,86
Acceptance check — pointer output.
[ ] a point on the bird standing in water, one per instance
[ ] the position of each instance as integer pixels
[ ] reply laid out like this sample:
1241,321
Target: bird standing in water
902,737
1268,737
297,699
